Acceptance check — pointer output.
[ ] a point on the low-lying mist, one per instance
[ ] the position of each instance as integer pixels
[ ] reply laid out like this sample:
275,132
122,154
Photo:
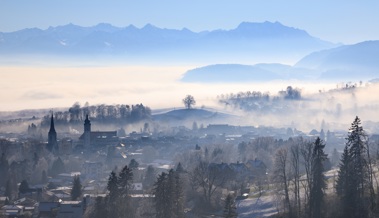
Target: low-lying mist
158,87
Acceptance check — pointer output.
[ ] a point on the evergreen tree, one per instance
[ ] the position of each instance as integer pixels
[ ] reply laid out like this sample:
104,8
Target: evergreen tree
76,190
100,208
169,200
179,196
58,167
4,170
160,198
112,187
343,185
179,168
133,164
150,177
8,189
354,186
44,178
24,187
230,207
124,181
318,179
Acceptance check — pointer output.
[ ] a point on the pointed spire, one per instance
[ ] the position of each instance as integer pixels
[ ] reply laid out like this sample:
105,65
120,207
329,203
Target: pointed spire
87,124
52,127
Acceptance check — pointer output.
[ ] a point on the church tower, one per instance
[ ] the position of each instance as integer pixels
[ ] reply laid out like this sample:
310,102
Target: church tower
87,132
52,144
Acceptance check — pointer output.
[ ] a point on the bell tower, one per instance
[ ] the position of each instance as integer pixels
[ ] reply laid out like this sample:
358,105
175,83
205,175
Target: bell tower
87,132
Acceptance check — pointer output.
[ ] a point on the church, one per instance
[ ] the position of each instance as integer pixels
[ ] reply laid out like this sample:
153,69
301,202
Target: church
96,139
52,142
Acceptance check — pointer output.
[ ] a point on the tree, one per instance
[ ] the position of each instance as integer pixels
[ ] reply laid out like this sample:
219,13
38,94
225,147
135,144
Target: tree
112,187
76,190
295,174
230,207
179,168
179,196
150,177
318,179
8,190
189,101
133,164
24,187
280,174
58,167
169,200
354,186
44,178
208,179
124,183
194,126
334,157
4,170
161,198
100,208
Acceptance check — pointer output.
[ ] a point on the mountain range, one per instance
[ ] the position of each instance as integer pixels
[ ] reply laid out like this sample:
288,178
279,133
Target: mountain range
248,41
348,62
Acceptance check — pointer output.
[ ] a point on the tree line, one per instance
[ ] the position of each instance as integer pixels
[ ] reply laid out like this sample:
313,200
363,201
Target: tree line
119,113
257,100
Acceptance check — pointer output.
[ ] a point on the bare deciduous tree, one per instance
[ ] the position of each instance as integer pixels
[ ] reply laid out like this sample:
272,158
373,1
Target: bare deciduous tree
189,101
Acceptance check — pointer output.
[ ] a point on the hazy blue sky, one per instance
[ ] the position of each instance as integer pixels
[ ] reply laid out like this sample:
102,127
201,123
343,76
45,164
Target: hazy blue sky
344,21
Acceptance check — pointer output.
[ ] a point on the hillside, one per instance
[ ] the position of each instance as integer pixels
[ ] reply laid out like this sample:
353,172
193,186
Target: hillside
191,115
246,73
358,61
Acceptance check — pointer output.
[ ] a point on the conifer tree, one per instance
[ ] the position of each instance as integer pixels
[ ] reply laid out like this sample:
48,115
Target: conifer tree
169,199
133,164
100,208
124,183
44,178
230,207
179,196
24,187
112,187
4,170
318,179
353,183
150,177
8,189
76,190
160,195
58,167
179,168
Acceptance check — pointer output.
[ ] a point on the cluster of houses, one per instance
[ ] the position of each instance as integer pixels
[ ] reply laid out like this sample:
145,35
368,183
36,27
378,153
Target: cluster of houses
53,198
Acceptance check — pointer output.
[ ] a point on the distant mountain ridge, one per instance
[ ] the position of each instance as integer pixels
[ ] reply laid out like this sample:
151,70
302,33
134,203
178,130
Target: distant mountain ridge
246,73
348,62
248,40
357,61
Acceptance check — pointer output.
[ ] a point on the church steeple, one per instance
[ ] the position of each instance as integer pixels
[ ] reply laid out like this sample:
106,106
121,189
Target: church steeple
52,143
52,127
87,124
87,132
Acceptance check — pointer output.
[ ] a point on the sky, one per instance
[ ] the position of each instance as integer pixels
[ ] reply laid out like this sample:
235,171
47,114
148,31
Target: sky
344,21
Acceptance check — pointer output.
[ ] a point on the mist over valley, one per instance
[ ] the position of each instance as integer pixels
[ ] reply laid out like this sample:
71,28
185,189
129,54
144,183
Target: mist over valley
189,110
